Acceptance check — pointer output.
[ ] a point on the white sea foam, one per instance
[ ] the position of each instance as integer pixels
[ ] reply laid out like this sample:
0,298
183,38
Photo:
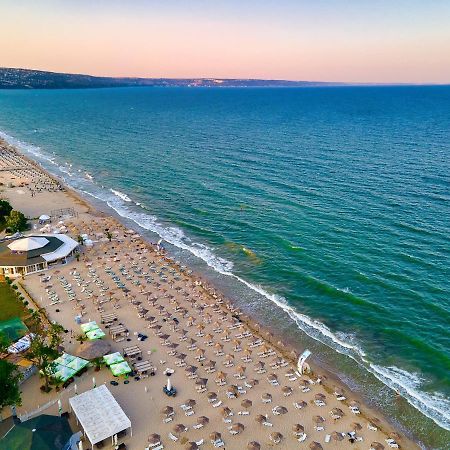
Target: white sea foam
121,195
433,405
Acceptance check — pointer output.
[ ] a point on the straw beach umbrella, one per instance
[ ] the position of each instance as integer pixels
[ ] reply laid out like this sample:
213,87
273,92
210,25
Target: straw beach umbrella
337,412
226,412
211,396
320,397
179,428
298,429
191,446
167,410
376,446
266,397
355,426
215,436
281,410
318,419
315,446
202,420
287,390
253,445
337,436
276,437
237,427
246,403
191,402
260,418
154,439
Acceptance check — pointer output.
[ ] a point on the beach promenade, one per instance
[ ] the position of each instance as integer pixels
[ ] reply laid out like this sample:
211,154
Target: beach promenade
233,386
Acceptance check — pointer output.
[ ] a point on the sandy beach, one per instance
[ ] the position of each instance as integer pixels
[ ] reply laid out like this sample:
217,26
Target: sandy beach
241,385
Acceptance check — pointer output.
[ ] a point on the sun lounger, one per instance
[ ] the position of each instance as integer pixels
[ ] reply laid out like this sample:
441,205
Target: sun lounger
267,424
302,437
327,438
216,405
319,428
172,437
371,427
219,443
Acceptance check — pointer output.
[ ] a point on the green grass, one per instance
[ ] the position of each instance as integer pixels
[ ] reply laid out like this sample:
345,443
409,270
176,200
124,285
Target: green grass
10,305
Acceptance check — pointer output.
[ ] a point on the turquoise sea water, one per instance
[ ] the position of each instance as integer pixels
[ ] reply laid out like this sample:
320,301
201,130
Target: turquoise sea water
322,211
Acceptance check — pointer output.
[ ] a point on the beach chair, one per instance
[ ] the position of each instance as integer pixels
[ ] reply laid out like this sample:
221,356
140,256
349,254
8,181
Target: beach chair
167,419
219,443
267,424
216,405
319,428
302,437
172,437
371,427
200,442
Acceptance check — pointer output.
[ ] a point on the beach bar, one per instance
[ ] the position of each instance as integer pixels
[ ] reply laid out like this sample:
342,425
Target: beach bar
34,253
99,414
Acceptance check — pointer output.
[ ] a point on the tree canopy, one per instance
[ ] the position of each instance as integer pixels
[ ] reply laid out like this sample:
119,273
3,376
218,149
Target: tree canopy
16,221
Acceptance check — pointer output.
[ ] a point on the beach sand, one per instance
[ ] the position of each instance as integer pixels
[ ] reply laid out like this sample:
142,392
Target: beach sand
162,288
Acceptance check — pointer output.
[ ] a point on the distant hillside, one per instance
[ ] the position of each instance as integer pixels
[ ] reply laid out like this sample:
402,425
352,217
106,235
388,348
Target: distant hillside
36,79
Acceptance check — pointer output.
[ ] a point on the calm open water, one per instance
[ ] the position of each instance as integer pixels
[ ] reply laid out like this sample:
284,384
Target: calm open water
324,210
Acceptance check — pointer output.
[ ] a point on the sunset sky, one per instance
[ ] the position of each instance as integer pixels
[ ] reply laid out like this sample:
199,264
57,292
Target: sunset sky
327,40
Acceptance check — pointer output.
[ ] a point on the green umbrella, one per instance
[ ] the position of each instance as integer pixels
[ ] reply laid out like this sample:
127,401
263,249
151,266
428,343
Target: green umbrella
121,368
64,373
113,358
40,433
85,327
95,334
64,359
77,364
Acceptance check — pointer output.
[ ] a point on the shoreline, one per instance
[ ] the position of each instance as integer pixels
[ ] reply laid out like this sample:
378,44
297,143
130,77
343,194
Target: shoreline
265,332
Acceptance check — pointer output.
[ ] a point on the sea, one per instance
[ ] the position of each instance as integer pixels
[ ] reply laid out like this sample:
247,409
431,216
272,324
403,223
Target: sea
324,213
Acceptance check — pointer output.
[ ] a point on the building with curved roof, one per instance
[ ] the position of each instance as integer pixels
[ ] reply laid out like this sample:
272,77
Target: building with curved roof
34,253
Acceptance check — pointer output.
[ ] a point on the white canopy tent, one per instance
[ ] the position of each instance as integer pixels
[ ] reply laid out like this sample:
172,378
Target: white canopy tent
99,414
28,243
69,245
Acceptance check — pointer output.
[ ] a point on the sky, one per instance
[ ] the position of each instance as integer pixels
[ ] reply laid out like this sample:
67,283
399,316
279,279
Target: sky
318,40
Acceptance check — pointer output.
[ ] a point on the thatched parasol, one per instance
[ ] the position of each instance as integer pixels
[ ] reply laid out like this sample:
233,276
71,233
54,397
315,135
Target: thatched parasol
246,403
211,396
154,439
215,436
179,428
315,446
266,396
253,445
297,428
337,412
355,426
93,349
225,411
191,446
202,420
238,427
337,436
191,402
167,410
318,419
276,436
287,390
376,446
260,418
281,410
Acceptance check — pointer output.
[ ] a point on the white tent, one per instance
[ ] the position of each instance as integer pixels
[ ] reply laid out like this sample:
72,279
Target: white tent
44,217
68,246
28,243
99,414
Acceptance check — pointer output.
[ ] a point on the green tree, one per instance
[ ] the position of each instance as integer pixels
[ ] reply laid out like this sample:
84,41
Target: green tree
109,235
9,379
16,221
44,348
80,239
5,210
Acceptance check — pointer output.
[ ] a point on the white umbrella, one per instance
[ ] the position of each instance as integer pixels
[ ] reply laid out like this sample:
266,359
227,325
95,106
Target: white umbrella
169,384
93,382
59,407
80,445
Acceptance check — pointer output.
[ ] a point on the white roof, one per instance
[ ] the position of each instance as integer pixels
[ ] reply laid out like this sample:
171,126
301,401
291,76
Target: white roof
99,414
44,217
68,246
28,243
